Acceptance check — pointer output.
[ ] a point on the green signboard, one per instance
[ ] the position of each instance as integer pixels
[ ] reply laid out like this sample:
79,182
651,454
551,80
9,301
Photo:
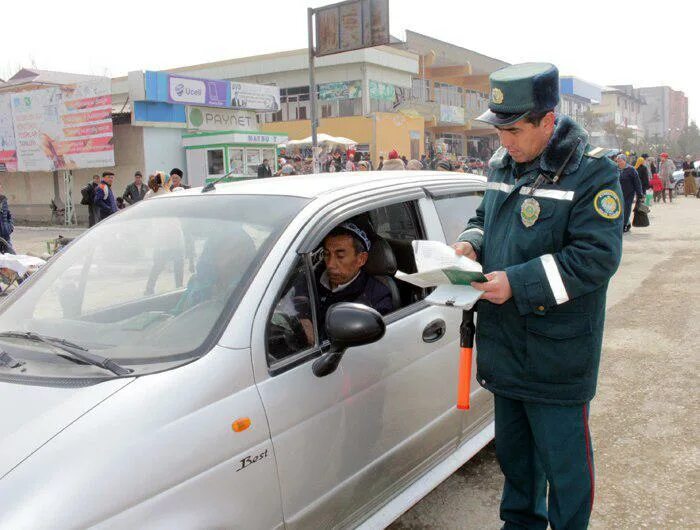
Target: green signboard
381,91
340,90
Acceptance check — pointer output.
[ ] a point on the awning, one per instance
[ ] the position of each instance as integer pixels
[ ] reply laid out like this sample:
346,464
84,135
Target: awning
324,139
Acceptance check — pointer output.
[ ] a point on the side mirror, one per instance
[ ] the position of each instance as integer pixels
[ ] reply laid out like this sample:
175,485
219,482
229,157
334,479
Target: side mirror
348,324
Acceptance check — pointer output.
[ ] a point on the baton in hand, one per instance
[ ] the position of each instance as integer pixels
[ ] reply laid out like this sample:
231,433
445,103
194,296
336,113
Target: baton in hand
466,343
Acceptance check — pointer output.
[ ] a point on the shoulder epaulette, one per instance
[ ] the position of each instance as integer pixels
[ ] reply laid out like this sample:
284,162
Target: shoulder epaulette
499,159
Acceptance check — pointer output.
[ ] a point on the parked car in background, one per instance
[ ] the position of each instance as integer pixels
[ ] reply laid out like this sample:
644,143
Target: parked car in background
141,394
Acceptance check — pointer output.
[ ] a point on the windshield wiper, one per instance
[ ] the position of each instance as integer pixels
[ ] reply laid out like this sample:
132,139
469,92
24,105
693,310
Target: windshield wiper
76,351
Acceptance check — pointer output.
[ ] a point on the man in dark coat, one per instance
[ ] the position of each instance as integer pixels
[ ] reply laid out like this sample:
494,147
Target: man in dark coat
631,186
105,202
345,252
264,170
548,234
88,199
135,191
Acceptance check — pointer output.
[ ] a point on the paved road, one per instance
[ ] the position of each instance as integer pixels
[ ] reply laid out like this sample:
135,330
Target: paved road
644,419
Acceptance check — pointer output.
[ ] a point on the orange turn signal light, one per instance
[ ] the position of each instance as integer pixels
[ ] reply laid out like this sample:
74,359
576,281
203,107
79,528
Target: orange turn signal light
241,424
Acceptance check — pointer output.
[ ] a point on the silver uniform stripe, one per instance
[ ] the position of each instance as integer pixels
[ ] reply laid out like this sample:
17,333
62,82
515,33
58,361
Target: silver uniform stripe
560,195
499,186
554,278
595,151
479,230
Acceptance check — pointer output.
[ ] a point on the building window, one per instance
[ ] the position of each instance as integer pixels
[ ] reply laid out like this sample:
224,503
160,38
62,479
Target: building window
350,107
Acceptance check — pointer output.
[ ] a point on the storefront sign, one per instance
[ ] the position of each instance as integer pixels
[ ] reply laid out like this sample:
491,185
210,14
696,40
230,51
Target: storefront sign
382,91
8,149
210,119
64,127
247,96
340,90
198,91
450,114
351,25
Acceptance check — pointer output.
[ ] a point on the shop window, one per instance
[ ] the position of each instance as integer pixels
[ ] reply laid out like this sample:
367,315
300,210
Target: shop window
253,160
236,163
326,110
350,107
215,161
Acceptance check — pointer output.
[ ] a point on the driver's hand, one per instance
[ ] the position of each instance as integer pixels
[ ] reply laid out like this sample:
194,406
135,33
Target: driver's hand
462,248
308,330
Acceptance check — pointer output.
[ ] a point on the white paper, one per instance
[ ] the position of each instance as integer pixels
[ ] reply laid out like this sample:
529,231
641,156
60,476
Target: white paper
439,266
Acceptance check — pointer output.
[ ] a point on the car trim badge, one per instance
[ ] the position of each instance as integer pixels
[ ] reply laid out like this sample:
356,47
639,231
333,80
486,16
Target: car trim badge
529,211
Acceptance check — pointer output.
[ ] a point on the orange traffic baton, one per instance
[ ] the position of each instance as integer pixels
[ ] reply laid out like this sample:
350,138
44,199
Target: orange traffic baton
466,343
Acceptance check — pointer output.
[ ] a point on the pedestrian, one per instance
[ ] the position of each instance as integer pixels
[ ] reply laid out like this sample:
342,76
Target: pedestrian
135,191
363,165
264,170
176,175
121,204
643,172
381,163
414,165
288,170
105,202
443,165
88,198
424,161
155,185
394,163
548,233
666,169
631,187
7,225
657,186
689,186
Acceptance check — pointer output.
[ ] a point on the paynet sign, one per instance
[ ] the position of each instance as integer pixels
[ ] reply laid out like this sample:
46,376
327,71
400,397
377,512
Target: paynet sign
185,90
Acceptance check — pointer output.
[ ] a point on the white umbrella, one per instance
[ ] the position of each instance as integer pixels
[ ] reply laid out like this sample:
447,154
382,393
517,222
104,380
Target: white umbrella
324,138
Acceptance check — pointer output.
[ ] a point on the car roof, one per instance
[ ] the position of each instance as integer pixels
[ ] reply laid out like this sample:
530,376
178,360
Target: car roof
317,185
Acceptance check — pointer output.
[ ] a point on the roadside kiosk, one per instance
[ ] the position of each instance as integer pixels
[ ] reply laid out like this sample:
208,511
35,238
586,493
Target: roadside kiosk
211,155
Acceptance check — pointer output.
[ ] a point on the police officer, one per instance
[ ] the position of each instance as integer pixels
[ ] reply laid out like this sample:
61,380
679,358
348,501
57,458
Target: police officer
548,233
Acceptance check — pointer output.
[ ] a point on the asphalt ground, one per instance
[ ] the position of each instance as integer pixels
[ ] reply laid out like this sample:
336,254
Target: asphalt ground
644,418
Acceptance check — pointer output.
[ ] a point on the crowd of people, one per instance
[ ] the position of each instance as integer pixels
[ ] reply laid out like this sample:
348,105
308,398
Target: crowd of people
352,160
102,202
646,174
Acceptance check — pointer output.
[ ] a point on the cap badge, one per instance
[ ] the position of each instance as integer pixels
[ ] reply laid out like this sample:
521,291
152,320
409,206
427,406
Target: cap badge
497,96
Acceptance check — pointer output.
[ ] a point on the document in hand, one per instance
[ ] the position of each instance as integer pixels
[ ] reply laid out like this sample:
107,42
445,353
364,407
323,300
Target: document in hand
439,266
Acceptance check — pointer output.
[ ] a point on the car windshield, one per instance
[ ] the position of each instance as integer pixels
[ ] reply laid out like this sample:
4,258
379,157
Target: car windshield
153,284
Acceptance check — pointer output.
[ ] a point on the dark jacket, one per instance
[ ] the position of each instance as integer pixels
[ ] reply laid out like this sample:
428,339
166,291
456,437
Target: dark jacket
264,171
365,289
132,194
544,344
644,177
105,202
6,224
630,183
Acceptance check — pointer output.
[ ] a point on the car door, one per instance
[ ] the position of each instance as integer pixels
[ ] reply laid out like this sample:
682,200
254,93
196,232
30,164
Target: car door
454,206
346,442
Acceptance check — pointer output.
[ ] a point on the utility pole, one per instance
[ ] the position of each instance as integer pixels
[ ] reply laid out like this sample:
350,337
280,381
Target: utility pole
312,92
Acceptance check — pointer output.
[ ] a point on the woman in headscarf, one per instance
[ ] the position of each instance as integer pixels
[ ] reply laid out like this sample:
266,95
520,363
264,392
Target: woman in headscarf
643,172
666,169
689,186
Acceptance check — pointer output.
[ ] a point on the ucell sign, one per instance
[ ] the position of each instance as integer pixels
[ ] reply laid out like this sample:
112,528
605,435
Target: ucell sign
198,91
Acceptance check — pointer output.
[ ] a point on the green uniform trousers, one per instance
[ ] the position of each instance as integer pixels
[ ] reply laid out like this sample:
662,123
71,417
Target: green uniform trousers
539,444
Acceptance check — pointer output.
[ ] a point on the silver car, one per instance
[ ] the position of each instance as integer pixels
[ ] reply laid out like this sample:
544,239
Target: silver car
166,370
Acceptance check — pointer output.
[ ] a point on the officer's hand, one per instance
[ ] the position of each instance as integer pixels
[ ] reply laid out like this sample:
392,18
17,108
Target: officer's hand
462,248
496,289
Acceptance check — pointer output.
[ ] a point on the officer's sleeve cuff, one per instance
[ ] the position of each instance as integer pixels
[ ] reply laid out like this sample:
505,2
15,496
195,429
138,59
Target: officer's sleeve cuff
529,292
473,236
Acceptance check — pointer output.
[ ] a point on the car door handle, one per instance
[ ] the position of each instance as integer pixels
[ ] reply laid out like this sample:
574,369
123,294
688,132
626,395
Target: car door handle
434,331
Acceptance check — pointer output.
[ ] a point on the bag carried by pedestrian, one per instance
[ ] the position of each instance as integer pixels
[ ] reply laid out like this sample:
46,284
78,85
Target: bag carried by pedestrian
641,218
87,195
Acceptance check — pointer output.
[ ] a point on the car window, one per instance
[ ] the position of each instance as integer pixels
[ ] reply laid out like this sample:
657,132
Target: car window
395,221
291,328
455,211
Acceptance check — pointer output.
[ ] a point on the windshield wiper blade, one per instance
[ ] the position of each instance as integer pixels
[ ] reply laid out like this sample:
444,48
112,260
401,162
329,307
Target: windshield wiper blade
76,351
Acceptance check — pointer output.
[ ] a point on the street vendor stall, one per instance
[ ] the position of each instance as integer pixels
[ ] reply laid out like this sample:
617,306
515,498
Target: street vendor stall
212,155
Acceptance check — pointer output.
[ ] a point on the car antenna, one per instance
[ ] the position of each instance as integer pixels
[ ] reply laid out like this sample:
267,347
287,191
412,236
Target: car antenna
212,185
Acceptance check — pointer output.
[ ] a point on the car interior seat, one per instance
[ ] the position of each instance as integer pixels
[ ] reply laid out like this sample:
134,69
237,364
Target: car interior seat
381,264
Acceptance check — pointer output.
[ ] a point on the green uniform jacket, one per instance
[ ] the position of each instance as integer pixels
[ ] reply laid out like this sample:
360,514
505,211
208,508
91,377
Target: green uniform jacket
544,344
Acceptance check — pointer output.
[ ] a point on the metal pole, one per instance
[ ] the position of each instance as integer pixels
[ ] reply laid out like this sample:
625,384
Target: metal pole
312,92
68,184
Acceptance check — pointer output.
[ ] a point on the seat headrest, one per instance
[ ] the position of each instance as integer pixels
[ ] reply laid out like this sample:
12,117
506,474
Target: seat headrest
381,260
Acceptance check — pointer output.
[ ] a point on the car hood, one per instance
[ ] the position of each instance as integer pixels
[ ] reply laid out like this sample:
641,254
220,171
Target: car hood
32,415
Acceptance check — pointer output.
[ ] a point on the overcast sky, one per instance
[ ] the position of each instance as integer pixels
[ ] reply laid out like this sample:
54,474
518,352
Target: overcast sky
609,42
